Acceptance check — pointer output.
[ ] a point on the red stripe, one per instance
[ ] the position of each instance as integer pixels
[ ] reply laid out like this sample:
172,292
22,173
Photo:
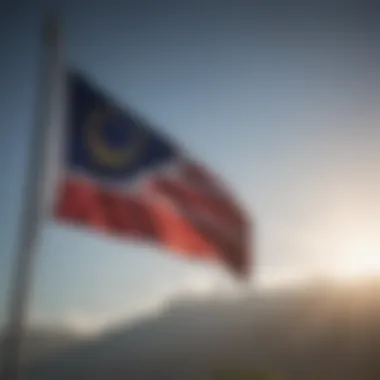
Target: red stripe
85,204
179,233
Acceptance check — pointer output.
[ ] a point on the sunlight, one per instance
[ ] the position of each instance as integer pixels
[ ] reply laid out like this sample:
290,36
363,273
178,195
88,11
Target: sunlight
358,259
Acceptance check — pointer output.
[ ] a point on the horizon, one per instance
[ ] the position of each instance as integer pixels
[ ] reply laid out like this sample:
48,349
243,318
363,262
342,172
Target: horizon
84,327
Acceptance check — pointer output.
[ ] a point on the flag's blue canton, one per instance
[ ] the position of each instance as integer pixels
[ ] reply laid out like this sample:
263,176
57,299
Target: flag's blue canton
108,145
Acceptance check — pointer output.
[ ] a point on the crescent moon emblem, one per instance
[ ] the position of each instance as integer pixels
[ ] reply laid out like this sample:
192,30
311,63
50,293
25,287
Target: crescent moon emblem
106,156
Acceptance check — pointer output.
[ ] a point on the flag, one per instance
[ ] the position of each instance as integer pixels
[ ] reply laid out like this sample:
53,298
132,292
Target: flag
121,176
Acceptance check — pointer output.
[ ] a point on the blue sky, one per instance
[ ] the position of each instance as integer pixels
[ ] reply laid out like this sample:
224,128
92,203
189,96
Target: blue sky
283,103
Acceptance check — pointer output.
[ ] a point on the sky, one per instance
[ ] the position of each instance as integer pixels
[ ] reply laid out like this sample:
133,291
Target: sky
283,101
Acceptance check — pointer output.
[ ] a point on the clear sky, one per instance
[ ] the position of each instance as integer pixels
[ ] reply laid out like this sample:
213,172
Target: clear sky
283,102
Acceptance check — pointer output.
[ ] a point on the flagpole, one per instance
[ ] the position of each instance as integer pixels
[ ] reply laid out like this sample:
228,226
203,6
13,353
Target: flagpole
33,207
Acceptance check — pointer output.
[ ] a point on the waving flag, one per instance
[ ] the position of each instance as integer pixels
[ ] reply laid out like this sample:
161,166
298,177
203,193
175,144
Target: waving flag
124,178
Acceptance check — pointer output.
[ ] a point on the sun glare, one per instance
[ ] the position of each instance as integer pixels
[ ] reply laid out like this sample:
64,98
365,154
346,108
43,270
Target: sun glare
357,260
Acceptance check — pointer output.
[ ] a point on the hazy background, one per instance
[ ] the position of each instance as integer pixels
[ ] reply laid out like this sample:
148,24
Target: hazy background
281,98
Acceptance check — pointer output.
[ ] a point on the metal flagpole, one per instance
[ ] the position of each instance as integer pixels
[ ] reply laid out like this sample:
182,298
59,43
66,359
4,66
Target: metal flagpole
33,207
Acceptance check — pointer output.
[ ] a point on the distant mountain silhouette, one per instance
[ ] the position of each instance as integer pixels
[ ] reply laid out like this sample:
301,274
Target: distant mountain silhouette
320,331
